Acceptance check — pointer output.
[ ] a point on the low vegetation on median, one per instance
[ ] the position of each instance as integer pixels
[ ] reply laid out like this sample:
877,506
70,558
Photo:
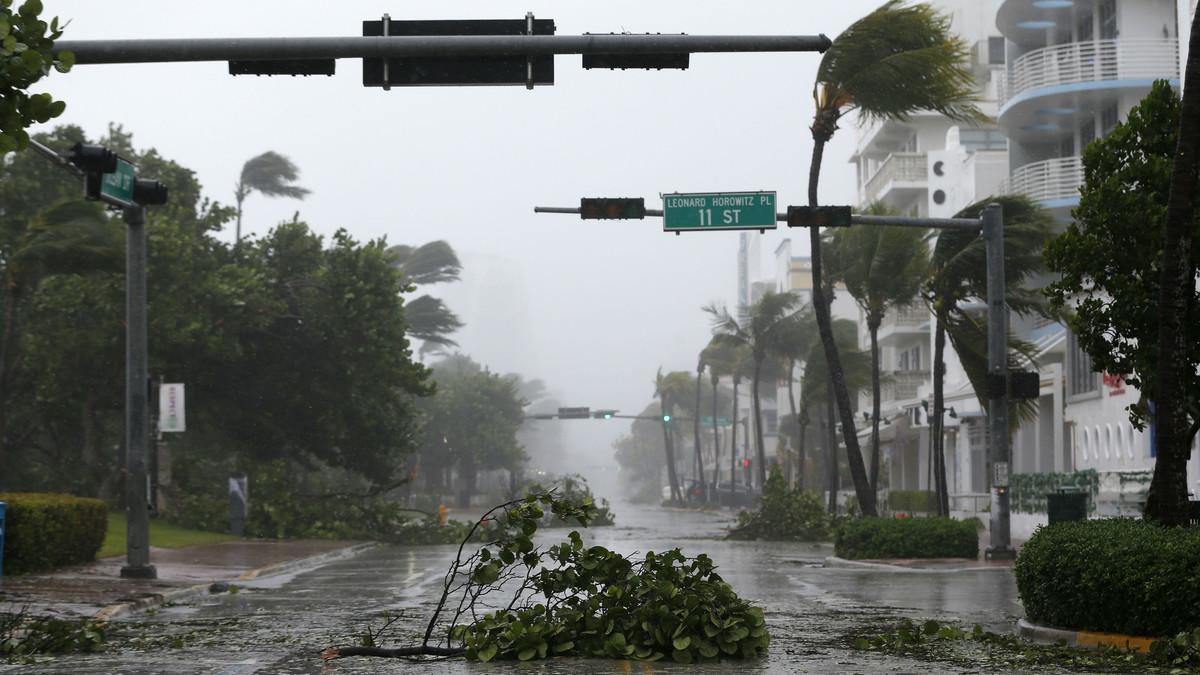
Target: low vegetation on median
906,538
46,530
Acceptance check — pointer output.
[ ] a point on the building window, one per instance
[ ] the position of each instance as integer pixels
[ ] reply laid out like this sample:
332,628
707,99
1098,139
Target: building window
910,359
1087,133
1108,19
995,51
1066,147
1108,119
982,139
1080,377
1083,29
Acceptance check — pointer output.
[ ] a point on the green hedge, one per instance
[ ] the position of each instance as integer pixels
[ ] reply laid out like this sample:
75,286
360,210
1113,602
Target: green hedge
1113,575
906,538
45,531
912,500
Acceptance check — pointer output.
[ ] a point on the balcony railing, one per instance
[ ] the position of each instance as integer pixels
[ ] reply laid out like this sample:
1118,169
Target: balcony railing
1047,180
902,385
899,166
1093,61
914,316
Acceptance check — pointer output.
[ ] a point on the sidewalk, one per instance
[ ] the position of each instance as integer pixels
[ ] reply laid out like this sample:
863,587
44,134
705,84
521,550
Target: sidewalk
97,589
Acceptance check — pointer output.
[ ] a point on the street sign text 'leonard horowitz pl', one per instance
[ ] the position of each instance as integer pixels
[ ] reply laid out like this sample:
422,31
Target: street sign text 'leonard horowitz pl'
719,211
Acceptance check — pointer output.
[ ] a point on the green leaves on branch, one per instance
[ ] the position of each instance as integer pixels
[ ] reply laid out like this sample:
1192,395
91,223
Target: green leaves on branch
26,56
785,515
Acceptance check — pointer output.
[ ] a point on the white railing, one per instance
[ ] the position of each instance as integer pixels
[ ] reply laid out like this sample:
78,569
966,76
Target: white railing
902,385
914,315
899,166
1091,62
1057,178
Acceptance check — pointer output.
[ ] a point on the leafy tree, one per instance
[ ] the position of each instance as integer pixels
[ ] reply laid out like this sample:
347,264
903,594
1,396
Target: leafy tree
1111,263
269,174
882,268
430,320
671,390
891,63
26,56
767,321
957,275
726,359
696,426
640,456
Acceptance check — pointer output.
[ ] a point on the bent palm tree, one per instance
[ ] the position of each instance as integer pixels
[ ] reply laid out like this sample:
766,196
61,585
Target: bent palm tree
957,274
671,389
269,174
429,319
882,268
766,320
895,61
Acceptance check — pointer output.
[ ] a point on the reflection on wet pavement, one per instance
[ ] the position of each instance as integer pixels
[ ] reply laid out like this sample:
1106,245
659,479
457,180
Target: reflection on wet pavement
280,624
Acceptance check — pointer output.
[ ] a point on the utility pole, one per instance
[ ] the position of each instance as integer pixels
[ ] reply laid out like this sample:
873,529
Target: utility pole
998,389
137,383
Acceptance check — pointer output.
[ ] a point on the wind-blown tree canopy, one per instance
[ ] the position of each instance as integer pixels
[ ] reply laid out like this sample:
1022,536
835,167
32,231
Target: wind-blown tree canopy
893,62
269,174
28,57
429,318
882,268
672,390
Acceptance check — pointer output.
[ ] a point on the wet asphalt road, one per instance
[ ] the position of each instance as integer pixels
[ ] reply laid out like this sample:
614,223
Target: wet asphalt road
280,624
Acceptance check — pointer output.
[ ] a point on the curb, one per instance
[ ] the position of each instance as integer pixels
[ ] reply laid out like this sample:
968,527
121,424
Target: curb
834,561
1084,638
121,609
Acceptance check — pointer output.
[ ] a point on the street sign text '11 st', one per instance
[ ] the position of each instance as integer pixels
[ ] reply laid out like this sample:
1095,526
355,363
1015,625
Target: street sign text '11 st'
719,211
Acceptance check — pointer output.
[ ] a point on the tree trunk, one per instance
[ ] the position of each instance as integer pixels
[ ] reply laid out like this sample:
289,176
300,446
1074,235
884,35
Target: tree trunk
938,455
1167,499
760,450
800,446
733,436
795,417
831,454
873,328
669,449
696,435
715,380
840,393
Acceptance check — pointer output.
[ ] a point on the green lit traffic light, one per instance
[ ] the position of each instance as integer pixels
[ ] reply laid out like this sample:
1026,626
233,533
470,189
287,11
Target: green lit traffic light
666,418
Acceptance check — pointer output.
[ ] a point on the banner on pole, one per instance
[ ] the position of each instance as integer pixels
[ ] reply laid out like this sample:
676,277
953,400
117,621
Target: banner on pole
170,408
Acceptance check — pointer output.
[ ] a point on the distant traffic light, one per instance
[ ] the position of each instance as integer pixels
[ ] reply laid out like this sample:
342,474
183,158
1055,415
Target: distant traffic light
666,418
149,192
93,158
818,216
745,463
604,208
604,414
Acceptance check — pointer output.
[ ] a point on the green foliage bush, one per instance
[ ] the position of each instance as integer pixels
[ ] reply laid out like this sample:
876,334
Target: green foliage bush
45,531
906,538
785,514
924,501
1116,575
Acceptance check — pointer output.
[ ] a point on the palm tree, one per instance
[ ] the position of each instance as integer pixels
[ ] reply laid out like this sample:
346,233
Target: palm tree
957,274
815,390
269,174
792,346
882,268
696,426
1167,502
895,61
429,319
723,360
766,320
73,237
671,389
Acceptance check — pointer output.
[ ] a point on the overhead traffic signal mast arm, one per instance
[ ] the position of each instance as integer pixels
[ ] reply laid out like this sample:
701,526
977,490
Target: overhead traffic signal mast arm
235,49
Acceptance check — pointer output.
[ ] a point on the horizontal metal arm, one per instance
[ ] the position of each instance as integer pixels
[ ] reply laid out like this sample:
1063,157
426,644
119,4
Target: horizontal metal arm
894,221
237,49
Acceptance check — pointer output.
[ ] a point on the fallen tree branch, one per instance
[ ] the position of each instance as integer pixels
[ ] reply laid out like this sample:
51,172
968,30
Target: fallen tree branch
396,652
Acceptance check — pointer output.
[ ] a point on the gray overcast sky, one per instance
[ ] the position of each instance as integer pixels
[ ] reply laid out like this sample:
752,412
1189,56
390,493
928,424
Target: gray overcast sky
593,308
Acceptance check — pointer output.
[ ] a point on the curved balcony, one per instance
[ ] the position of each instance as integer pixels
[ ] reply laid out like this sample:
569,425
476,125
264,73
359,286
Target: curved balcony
1096,61
1052,180
900,171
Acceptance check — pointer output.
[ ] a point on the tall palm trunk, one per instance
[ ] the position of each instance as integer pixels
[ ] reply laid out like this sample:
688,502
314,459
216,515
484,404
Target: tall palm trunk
1167,501
873,322
669,449
760,449
733,436
830,428
795,418
715,381
696,435
801,443
935,421
822,131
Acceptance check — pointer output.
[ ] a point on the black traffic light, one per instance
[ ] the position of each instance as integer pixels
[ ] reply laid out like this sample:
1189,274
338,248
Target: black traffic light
604,414
149,192
818,216
604,208
93,158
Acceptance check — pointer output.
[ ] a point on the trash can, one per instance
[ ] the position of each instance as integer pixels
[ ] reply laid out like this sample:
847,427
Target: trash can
1066,506
3,510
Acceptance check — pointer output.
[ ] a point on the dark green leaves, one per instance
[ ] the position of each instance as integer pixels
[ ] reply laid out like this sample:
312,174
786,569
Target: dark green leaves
26,56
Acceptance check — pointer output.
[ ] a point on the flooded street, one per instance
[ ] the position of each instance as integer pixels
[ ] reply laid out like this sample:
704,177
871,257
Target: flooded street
280,624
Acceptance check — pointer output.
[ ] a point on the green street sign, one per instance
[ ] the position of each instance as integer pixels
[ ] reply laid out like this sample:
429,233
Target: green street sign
718,211
707,421
117,188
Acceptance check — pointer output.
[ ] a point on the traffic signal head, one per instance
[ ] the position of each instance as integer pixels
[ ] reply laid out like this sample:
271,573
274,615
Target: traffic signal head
666,418
612,209
149,192
93,158
604,414
745,463
818,216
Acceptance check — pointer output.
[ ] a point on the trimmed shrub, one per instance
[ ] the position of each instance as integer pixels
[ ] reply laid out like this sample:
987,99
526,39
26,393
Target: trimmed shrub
784,515
906,538
924,501
45,531
1113,575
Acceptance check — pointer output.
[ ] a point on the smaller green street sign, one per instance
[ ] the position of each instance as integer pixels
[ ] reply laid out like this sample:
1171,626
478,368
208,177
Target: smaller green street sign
719,211
707,421
117,188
